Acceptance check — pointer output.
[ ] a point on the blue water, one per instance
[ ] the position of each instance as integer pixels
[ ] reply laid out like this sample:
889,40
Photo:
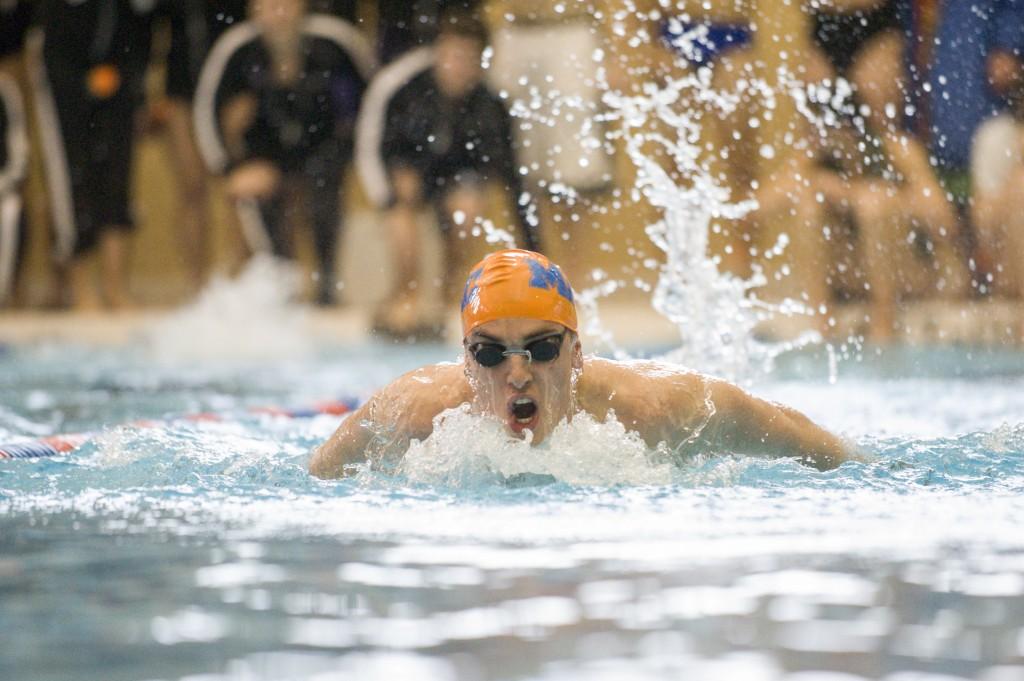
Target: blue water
204,551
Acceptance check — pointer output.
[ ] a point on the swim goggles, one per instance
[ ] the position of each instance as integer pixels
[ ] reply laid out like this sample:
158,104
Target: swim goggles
544,349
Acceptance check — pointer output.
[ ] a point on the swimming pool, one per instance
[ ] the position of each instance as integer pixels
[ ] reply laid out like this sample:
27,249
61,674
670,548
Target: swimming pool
203,550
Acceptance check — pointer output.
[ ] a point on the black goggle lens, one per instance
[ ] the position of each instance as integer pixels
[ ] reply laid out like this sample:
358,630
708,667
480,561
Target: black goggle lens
541,350
489,355
545,349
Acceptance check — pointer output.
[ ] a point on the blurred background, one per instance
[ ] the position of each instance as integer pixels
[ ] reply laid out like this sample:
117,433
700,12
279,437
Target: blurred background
380,148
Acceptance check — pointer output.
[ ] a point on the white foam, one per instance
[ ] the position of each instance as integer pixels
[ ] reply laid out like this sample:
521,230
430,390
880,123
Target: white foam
467,450
252,316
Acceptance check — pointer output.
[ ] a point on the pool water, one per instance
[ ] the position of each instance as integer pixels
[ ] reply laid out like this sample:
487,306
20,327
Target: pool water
203,550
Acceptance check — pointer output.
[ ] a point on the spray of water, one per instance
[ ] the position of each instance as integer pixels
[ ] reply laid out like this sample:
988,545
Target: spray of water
716,312
468,450
249,317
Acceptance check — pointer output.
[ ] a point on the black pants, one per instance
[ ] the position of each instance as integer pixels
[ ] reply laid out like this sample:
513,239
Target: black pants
319,180
98,141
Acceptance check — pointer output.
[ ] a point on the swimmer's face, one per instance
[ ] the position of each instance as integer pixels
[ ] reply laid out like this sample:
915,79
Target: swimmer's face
525,395
457,66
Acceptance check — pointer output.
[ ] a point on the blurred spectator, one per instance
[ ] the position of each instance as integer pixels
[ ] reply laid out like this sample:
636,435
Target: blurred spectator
842,31
868,214
286,88
15,17
843,36
193,26
13,162
432,133
87,71
720,42
343,9
962,56
403,25
997,173
954,53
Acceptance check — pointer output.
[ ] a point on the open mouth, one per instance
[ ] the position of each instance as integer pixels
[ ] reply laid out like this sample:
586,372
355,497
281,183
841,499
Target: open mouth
523,409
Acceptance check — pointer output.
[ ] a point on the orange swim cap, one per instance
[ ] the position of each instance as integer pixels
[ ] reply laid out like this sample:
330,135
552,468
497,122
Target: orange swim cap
516,283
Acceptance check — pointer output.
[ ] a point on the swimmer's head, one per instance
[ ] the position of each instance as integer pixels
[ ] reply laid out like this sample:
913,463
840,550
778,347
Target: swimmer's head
520,284
522,351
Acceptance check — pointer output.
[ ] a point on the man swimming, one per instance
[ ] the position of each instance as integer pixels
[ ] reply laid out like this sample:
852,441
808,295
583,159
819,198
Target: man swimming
524,365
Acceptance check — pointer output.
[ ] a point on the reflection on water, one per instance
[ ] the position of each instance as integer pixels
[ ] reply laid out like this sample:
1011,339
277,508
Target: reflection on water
162,604
204,550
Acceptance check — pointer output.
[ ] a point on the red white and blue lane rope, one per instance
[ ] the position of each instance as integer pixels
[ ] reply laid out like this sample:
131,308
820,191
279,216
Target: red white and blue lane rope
58,445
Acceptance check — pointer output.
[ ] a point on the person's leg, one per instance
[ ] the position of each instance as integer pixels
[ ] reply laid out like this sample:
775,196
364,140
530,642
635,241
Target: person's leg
881,238
81,280
324,182
273,214
113,254
791,201
398,314
736,160
65,124
193,227
112,164
461,209
937,266
999,226
730,136
81,269
402,220
1014,255
877,71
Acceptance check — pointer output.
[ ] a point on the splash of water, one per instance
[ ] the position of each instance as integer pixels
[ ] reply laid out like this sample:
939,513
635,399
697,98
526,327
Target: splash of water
250,317
468,450
716,312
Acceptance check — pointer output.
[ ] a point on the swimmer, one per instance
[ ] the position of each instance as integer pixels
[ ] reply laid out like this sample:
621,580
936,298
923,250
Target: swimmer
523,365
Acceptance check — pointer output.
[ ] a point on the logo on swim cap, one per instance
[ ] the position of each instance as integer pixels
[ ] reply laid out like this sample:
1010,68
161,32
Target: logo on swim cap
517,283
547,277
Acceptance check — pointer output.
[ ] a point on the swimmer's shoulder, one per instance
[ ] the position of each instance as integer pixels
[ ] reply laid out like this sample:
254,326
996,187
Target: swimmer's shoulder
643,394
608,376
429,390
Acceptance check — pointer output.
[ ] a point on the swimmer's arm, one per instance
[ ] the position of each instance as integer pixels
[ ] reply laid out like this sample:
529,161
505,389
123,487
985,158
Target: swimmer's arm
745,424
347,446
403,410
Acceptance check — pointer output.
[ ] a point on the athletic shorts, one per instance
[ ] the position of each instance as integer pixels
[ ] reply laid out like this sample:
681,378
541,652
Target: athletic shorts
98,139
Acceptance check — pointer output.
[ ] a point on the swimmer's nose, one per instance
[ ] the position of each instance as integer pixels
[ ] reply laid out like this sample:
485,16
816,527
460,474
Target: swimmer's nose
519,373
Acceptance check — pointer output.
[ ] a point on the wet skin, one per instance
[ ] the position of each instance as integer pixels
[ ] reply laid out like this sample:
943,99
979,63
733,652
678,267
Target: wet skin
526,395
662,403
